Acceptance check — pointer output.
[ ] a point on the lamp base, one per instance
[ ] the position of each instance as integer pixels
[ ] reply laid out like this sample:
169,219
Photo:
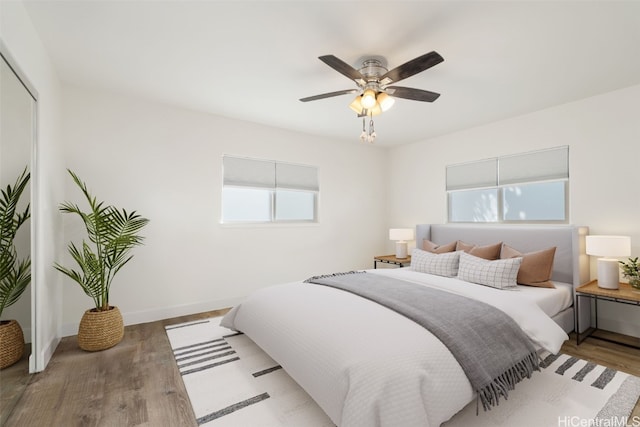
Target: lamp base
401,250
608,273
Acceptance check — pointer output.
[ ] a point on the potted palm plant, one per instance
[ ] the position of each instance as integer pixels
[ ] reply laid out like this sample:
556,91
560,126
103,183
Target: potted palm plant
15,273
112,234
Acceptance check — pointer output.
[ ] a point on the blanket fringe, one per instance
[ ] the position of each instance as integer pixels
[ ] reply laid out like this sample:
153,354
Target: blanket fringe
490,394
326,276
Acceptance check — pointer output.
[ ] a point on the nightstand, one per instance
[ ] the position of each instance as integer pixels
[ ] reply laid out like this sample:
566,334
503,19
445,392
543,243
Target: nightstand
391,259
624,295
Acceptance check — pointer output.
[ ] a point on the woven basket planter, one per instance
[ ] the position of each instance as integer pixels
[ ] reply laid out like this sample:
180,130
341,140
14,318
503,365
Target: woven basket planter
100,330
11,343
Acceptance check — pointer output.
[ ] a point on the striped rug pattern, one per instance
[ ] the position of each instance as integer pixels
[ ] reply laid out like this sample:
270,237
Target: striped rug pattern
231,382
567,392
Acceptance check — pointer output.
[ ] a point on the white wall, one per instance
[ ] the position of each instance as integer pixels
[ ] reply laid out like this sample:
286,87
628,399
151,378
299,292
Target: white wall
603,134
18,34
166,163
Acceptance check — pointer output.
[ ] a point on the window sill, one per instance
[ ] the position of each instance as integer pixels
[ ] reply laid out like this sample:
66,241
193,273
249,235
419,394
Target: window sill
269,224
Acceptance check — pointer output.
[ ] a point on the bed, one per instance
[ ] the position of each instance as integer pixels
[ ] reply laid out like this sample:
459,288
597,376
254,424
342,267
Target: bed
571,263
367,365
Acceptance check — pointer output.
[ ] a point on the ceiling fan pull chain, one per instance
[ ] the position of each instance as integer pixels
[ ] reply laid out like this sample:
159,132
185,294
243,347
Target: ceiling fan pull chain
372,131
363,135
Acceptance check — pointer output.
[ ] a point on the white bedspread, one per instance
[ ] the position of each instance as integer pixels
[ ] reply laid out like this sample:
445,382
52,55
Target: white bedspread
551,301
366,365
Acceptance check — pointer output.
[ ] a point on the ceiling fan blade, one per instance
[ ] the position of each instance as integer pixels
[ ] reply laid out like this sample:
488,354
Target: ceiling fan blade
413,94
328,95
342,67
414,66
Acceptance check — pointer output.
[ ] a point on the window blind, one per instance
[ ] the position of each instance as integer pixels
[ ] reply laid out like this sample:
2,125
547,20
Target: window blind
296,177
544,165
256,173
480,174
243,172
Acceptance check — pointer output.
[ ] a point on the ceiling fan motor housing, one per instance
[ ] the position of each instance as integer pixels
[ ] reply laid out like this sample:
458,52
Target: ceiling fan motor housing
372,69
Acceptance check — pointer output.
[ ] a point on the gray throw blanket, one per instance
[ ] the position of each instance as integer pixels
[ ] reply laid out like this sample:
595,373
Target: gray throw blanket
492,349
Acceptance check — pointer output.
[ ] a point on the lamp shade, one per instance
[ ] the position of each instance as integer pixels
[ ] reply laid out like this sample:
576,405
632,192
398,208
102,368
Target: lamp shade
401,234
375,110
385,101
368,98
609,246
356,104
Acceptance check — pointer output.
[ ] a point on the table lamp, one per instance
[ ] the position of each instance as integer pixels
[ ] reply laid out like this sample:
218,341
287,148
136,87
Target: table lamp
608,247
401,235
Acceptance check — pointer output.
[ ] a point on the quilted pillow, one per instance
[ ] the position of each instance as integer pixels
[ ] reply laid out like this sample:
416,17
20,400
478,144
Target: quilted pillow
445,264
500,274
489,252
536,267
429,246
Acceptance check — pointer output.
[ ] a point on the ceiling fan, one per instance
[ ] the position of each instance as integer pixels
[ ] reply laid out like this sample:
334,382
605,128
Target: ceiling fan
373,80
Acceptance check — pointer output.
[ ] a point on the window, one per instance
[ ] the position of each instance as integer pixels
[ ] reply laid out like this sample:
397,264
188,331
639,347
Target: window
474,205
257,190
542,201
528,187
295,205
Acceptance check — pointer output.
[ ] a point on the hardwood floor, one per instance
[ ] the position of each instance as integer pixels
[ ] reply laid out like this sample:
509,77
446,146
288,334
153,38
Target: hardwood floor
137,383
13,382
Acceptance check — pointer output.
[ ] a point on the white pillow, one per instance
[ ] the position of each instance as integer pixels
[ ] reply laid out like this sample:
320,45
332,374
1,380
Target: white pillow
500,274
445,264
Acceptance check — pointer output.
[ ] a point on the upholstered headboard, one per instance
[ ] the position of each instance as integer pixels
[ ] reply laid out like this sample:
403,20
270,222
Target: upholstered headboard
571,264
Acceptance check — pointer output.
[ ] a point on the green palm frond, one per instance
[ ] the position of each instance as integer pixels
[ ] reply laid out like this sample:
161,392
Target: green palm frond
89,276
112,234
15,274
15,283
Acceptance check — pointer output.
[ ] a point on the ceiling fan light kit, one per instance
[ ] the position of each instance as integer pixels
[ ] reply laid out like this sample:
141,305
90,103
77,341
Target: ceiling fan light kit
356,104
374,96
385,101
368,99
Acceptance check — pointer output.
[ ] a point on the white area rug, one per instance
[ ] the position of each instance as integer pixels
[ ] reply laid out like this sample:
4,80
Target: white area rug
232,382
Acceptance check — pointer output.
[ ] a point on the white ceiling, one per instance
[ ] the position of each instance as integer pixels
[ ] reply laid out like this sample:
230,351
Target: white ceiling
254,60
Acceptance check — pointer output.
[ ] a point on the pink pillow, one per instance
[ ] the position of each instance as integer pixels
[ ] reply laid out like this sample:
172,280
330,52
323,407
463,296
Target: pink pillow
536,267
429,246
490,252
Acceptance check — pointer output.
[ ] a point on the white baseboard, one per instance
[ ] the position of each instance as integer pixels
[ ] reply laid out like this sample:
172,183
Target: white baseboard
44,357
152,315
